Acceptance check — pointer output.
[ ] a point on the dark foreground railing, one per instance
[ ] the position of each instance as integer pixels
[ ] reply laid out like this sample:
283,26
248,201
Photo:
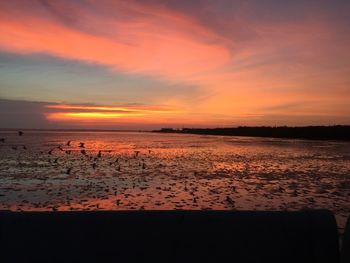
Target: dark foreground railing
169,236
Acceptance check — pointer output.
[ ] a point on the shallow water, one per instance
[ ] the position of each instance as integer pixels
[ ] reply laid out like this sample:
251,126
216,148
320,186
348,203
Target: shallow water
172,171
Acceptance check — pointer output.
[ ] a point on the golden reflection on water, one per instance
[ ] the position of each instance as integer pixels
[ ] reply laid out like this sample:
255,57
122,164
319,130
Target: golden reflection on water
123,171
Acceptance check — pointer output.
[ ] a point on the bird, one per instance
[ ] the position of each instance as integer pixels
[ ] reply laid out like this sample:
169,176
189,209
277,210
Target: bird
50,152
68,143
24,147
81,145
230,200
94,166
143,166
2,140
136,153
68,152
83,152
69,170
20,133
99,154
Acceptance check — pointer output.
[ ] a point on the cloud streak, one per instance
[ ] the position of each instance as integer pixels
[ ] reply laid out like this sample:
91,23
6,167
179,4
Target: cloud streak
143,40
99,113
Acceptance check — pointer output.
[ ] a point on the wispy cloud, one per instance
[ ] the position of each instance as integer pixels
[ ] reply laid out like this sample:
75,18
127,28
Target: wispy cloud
133,37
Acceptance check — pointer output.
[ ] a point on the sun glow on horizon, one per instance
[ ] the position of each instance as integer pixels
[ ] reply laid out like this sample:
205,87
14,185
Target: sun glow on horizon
66,116
87,113
134,108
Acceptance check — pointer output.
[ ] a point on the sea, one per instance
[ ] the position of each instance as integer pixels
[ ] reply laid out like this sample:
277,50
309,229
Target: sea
70,170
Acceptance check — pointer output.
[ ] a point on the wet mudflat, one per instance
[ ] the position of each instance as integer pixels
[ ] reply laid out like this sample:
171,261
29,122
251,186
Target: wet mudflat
126,171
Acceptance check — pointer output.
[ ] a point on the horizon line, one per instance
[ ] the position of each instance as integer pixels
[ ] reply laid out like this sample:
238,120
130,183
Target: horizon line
174,128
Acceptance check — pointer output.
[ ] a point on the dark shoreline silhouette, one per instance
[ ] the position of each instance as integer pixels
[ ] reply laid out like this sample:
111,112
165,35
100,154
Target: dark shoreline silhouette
336,132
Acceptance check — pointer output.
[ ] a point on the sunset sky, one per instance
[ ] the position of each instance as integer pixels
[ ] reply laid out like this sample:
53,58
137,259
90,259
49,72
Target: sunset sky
150,64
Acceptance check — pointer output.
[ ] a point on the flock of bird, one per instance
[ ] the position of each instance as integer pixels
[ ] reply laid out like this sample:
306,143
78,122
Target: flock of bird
149,178
68,149
15,146
60,154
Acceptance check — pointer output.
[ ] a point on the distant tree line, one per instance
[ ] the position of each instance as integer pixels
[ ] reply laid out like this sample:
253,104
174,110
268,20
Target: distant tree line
337,132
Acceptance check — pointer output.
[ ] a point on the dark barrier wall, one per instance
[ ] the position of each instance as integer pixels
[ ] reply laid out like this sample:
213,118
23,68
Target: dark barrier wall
169,236
345,252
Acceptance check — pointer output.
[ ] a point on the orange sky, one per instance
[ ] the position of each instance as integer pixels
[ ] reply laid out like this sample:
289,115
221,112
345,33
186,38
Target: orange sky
200,63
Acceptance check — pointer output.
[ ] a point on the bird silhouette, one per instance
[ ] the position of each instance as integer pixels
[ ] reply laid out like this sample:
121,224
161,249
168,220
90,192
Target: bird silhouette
136,153
20,133
230,200
99,154
83,152
94,166
68,143
69,170
82,145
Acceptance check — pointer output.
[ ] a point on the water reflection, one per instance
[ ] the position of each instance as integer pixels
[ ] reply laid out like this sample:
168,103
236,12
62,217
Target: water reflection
170,171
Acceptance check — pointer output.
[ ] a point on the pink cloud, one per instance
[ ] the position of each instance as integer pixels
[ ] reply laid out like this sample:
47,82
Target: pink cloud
155,42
